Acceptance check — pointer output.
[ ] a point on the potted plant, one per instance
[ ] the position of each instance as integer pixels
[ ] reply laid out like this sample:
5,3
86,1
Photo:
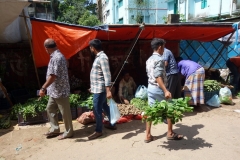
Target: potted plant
32,111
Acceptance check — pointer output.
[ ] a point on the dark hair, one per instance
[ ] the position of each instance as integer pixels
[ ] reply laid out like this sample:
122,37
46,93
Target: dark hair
156,42
178,59
124,72
50,43
96,43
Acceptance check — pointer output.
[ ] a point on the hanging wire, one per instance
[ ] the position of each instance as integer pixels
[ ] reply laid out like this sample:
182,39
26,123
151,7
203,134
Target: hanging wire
141,26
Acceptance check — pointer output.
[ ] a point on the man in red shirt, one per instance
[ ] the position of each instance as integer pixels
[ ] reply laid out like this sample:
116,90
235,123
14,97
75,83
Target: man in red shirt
234,66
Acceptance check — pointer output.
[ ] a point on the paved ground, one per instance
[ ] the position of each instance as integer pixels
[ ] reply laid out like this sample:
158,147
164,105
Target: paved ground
210,133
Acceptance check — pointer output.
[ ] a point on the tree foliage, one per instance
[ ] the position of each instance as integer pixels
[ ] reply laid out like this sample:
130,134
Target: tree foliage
88,20
77,12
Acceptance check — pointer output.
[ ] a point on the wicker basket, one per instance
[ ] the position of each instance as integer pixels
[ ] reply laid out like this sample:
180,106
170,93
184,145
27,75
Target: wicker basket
41,117
209,95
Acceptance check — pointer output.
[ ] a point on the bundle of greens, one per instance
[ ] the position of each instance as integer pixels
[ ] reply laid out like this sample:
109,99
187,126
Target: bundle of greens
31,108
86,101
211,85
74,100
173,109
139,103
5,121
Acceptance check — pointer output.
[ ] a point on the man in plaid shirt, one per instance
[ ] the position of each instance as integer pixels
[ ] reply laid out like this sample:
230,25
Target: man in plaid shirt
100,79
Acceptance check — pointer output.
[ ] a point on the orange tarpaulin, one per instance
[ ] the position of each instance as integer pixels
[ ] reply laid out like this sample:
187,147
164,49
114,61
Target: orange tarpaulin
204,32
69,39
72,38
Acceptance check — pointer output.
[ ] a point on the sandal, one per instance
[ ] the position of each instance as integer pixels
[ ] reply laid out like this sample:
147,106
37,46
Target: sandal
175,136
61,137
150,140
51,134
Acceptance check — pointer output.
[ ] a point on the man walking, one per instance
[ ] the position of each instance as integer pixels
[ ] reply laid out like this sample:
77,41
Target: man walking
100,79
157,86
58,89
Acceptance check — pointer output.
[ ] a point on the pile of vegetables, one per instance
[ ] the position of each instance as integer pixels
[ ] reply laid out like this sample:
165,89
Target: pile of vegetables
159,111
86,100
211,85
5,121
139,103
33,106
128,110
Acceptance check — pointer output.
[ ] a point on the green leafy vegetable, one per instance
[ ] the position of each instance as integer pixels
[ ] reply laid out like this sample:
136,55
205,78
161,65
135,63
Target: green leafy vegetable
173,109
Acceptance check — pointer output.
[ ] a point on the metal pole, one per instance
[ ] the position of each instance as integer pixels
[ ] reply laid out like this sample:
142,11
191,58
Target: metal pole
220,51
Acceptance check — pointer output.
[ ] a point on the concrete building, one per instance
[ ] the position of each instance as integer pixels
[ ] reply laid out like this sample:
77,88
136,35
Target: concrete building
204,10
133,11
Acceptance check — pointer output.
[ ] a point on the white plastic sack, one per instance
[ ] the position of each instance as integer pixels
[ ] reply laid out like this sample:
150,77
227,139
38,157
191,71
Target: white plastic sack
214,101
141,92
225,95
114,112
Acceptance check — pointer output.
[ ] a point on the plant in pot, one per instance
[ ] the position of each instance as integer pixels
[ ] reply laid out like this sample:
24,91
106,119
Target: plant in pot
33,111
85,103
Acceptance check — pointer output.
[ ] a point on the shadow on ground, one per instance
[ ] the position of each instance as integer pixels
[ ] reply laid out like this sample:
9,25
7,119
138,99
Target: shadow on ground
134,127
189,142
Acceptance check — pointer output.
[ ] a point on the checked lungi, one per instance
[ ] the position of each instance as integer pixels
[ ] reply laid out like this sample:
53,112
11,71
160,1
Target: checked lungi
194,87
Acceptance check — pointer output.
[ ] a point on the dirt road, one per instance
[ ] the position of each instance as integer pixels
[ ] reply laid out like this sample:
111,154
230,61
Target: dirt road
209,134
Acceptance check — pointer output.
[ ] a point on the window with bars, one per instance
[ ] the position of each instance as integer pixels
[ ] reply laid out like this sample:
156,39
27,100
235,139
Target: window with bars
120,21
120,3
203,4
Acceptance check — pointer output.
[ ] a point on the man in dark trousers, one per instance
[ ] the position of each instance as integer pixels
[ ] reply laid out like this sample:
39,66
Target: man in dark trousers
58,89
100,79
173,76
234,66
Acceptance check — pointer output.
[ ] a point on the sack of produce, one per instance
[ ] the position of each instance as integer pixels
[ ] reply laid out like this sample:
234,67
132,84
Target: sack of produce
141,92
225,95
214,101
86,118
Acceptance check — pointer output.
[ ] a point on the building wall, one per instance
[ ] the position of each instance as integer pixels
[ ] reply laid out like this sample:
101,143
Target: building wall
192,9
126,11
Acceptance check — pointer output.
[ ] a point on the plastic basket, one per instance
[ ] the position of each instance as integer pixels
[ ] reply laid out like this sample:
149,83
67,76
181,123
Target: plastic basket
81,110
209,95
41,117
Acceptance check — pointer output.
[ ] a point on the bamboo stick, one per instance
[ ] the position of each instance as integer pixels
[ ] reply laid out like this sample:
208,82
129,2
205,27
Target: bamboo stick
30,41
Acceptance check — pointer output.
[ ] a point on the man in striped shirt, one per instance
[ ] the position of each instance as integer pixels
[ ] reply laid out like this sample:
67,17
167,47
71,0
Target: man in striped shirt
100,79
173,76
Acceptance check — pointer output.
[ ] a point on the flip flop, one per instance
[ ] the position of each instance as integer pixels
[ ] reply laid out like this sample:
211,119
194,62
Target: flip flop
175,136
149,140
49,134
61,137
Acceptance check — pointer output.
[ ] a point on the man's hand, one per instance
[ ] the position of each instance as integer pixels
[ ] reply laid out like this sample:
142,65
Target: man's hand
42,93
168,95
109,94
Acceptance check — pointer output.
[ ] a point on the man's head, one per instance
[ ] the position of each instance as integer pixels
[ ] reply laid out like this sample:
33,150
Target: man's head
50,45
158,45
126,76
95,46
178,59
